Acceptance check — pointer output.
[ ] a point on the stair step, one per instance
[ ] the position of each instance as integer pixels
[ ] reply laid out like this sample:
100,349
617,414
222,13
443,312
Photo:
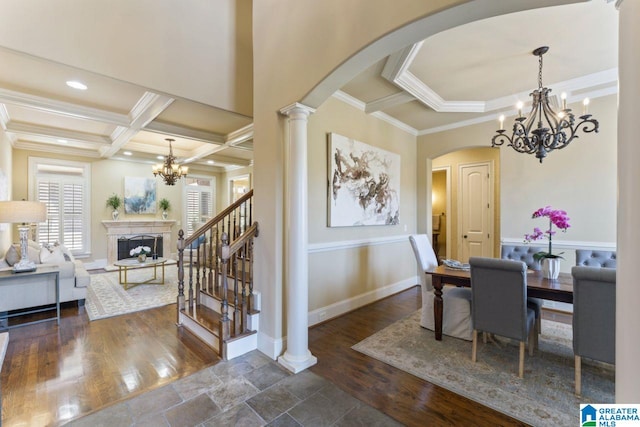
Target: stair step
204,316
229,300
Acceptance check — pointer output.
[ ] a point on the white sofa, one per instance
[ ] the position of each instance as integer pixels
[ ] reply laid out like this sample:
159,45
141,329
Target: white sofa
29,292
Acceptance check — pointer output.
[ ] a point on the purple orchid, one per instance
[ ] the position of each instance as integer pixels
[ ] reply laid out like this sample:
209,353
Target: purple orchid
556,217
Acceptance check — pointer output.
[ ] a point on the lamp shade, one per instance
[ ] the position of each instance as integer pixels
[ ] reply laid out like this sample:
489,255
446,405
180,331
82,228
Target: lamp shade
22,211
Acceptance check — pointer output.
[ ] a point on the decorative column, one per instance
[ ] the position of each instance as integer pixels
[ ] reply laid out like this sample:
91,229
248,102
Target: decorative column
297,357
627,290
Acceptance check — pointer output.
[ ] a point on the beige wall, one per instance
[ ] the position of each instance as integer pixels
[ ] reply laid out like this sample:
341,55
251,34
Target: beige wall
439,208
336,273
454,160
580,179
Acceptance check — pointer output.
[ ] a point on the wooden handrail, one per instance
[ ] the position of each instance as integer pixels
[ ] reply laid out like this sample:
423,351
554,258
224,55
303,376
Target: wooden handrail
233,247
209,224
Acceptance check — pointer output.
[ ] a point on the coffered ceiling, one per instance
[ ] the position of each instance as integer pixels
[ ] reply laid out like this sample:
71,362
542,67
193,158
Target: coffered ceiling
462,76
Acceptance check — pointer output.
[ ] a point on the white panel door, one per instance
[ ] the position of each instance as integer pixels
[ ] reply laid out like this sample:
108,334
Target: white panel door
474,211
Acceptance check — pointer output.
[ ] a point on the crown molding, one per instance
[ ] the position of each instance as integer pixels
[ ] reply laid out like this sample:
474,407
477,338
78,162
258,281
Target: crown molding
61,108
398,62
58,149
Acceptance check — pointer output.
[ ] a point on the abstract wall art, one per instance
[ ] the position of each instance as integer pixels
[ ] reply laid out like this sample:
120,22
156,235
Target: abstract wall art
139,195
364,184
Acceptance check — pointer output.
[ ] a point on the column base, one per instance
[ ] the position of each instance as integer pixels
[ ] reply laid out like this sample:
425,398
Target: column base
297,364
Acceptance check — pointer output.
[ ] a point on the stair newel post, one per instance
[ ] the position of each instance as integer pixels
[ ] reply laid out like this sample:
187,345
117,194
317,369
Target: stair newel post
213,251
180,300
225,328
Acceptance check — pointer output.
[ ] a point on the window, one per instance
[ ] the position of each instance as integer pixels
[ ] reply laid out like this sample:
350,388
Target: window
199,195
63,186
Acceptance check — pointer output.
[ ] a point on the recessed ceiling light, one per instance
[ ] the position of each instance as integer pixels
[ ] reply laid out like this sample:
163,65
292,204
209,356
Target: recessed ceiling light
160,157
210,162
76,85
127,153
63,141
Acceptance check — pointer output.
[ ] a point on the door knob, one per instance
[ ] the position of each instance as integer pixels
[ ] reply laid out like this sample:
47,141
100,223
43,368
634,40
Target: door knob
465,236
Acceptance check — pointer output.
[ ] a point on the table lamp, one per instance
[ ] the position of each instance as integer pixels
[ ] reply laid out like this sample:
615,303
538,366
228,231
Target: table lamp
23,212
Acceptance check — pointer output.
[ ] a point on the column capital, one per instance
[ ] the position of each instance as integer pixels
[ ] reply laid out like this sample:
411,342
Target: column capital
297,108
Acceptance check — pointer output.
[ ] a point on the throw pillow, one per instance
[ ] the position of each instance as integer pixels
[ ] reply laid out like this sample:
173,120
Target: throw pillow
12,256
52,255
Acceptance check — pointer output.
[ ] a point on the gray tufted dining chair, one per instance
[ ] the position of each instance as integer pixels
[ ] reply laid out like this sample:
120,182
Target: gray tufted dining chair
525,254
499,303
594,258
594,316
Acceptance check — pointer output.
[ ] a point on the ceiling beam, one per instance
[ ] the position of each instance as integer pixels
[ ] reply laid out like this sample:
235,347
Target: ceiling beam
148,107
388,102
54,134
61,108
185,132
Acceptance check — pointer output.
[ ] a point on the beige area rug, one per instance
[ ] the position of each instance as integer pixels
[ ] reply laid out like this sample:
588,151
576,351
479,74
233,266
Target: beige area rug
106,297
543,397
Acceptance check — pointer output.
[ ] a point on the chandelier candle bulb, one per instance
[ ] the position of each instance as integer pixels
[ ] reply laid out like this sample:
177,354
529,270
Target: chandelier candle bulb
519,106
501,118
563,96
585,108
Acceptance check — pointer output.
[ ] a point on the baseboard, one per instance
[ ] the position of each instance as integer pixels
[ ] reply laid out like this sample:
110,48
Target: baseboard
270,346
339,308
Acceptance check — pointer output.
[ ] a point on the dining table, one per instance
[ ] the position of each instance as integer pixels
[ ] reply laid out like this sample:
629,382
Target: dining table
560,289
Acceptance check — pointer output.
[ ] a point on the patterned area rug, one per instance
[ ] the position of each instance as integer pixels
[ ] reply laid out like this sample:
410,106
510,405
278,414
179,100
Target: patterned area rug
106,297
545,396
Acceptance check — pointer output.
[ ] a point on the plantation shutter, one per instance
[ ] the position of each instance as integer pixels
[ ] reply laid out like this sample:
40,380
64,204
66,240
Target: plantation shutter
48,192
73,236
65,222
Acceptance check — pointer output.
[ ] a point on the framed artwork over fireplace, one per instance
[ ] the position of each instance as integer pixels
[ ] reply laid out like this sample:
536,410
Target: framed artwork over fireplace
139,195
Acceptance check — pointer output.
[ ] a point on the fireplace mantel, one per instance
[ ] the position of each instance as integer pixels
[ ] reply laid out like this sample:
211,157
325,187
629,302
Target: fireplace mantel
128,228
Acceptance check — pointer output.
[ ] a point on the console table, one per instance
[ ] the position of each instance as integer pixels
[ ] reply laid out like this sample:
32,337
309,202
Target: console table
42,273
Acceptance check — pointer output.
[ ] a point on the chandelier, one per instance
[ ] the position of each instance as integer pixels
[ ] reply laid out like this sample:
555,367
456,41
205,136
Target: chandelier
553,131
169,170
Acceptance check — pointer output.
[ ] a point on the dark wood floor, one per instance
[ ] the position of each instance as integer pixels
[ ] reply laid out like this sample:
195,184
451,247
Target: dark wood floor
53,374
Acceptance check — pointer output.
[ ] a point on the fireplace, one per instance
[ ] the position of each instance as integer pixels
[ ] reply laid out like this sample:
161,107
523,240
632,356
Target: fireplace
125,244
128,229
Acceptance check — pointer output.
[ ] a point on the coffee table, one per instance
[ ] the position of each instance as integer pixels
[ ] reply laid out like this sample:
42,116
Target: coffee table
124,265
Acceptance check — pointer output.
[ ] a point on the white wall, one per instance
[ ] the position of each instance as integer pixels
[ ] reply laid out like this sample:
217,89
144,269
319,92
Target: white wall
6,168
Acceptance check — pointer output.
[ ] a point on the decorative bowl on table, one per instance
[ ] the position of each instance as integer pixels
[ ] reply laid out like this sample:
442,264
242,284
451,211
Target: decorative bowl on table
455,264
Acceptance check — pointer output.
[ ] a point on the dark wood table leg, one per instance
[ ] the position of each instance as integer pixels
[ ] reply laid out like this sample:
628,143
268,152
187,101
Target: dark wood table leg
436,282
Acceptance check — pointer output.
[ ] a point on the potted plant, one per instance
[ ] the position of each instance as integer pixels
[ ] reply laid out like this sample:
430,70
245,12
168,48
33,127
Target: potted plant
114,202
165,205
550,261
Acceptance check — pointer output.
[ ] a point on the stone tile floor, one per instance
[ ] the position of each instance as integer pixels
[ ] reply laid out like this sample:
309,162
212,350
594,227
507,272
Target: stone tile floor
251,390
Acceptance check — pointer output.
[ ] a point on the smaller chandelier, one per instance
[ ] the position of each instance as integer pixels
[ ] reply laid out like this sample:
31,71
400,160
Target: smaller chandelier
169,170
553,131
